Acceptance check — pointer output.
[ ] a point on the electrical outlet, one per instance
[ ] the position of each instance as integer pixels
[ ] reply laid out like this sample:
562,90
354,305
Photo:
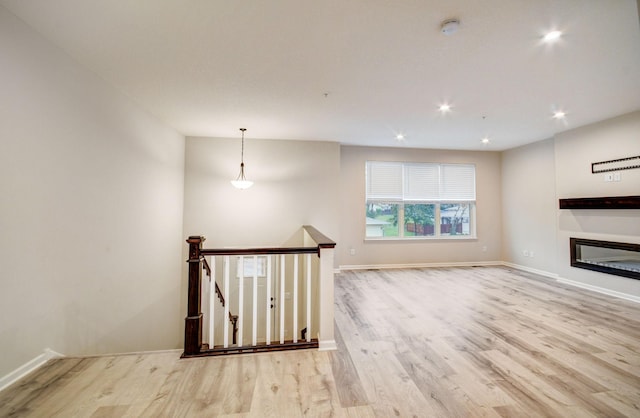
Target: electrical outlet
352,251
608,177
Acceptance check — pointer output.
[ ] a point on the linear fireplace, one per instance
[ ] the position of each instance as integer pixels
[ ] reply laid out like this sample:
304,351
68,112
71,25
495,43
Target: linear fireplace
619,258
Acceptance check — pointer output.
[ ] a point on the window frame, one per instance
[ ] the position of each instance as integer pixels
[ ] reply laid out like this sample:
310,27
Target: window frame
400,201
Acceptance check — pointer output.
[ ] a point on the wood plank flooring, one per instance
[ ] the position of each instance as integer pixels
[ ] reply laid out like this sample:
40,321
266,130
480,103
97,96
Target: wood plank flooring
440,342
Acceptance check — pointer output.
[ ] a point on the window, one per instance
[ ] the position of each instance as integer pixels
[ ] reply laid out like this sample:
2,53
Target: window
249,267
420,200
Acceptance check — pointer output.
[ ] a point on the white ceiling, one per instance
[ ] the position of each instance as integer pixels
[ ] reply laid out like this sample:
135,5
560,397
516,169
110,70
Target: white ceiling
358,71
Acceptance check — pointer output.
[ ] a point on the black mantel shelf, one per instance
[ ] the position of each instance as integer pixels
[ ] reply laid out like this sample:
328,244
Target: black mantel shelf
611,202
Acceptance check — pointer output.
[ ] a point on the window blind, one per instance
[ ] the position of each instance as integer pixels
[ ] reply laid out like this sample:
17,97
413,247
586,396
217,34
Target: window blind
457,182
421,182
384,180
395,181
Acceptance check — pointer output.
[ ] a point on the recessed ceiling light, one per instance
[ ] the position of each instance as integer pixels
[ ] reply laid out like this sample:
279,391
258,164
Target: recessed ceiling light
400,137
559,114
552,36
485,141
444,108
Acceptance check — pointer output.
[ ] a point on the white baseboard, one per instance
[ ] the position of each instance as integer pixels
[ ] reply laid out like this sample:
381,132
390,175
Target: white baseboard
602,290
581,285
28,367
419,265
329,345
531,270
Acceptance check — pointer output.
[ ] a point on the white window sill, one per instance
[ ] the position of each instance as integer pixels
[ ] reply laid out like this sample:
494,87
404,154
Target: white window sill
423,238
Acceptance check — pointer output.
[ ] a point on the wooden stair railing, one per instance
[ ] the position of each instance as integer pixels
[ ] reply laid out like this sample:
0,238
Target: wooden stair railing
317,334
232,318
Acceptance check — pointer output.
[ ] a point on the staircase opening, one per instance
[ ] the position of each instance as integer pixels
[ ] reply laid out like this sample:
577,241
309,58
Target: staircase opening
260,299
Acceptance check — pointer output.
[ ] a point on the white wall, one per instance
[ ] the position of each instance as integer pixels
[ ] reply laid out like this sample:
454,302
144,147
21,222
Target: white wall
90,211
295,183
575,150
529,206
352,208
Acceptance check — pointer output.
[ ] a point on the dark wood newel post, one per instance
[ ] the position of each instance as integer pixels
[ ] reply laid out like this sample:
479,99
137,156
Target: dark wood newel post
193,321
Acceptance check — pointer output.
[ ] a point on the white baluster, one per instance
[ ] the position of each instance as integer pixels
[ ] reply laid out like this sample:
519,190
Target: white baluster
240,302
295,298
254,324
308,262
225,319
282,268
268,304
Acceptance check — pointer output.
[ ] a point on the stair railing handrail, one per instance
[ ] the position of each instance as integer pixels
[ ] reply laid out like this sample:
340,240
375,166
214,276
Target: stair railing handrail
321,240
258,251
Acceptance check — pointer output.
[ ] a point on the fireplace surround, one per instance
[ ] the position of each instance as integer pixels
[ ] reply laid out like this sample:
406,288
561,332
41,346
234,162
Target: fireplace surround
618,258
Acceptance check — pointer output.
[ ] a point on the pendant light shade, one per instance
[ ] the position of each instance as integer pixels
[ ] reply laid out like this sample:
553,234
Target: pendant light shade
241,181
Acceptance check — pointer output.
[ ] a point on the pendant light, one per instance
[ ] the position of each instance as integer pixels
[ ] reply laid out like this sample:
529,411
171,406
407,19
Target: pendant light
241,181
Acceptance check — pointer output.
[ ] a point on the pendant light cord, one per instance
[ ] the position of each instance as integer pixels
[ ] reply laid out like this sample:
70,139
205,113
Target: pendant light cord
242,152
241,181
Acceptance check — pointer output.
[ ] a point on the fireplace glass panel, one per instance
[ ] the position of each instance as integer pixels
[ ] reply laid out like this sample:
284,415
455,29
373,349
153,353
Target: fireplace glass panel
617,258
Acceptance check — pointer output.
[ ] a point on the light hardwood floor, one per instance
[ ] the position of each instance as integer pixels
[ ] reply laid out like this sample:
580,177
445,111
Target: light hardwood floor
446,342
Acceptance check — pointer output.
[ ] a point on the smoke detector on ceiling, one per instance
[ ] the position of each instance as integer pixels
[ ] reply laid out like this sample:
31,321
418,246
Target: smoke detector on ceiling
450,26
